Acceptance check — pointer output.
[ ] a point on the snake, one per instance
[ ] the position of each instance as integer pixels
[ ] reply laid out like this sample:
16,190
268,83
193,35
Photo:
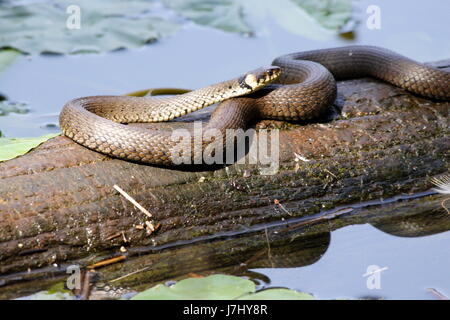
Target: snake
299,86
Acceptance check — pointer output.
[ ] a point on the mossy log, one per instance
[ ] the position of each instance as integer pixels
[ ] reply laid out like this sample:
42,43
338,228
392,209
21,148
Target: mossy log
58,204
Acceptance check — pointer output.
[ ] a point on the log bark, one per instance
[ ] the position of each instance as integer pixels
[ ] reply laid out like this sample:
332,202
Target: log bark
57,202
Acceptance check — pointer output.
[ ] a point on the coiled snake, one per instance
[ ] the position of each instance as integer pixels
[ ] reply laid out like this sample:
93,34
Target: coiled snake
303,88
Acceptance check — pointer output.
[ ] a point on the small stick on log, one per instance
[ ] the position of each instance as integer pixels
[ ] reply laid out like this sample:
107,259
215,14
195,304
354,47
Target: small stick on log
106,262
129,198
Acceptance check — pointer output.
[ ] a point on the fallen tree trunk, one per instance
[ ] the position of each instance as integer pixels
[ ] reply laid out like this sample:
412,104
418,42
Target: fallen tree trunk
57,203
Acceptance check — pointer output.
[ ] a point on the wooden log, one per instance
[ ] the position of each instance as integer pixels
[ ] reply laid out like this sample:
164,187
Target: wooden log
58,204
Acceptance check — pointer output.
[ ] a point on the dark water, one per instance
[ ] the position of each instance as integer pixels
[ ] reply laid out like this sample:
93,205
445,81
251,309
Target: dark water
197,56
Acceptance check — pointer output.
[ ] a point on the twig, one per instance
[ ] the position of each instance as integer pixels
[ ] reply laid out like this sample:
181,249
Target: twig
113,236
331,173
106,262
86,287
278,203
269,253
129,274
194,275
149,227
124,238
129,198
438,294
298,157
255,257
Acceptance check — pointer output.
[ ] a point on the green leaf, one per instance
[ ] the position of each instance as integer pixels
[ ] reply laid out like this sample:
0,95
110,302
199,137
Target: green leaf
212,287
7,56
217,287
278,294
226,15
331,14
310,18
7,107
56,292
45,295
13,147
42,27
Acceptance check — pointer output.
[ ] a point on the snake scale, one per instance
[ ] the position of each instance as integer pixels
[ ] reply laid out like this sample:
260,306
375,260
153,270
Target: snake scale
299,86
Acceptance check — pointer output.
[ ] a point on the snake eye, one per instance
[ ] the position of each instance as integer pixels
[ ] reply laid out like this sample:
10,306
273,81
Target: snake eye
244,82
256,79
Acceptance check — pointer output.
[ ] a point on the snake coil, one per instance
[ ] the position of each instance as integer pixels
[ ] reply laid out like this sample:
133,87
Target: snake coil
303,88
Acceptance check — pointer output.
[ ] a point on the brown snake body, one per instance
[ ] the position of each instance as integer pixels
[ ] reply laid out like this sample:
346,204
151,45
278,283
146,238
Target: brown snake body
305,89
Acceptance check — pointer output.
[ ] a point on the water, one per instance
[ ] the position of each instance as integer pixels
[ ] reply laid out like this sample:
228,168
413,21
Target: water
198,56
413,265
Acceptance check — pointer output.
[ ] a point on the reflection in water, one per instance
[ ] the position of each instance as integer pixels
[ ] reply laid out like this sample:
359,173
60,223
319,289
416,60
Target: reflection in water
418,225
307,248
413,246
255,254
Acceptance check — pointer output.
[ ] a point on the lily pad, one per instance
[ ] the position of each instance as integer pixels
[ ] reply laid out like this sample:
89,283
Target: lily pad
312,18
227,15
51,27
212,287
14,147
7,56
216,287
56,292
7,107
45,295
331,14
277,294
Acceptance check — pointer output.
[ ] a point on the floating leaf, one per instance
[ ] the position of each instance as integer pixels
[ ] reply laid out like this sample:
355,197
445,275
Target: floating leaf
311,18
332,14
7,107
44,295
212,287
278,294
46,26
216,287
13,147
226,15
7,56
56,292
43,27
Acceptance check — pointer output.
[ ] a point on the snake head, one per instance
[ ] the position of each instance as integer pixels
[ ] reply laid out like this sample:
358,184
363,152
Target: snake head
258,78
